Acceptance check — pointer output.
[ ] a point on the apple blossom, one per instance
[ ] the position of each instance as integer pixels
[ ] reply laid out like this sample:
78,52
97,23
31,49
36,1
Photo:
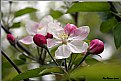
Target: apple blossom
34,28
11,38
71,39
96,46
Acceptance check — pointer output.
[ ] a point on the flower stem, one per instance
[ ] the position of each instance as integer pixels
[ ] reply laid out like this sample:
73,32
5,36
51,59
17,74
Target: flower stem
39,58
12,63
44,55
83,58
51,56
65,65
70,61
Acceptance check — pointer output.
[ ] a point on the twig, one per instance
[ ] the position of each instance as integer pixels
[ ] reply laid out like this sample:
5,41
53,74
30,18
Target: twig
12,63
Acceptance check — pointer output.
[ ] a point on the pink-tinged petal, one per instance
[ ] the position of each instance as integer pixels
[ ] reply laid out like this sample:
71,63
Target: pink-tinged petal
77,46
27,40
46,20
52,42
62,52
69,28
31,27
80,33
55,29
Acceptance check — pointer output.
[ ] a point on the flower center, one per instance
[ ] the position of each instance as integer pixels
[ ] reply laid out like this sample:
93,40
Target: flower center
64,38
39,28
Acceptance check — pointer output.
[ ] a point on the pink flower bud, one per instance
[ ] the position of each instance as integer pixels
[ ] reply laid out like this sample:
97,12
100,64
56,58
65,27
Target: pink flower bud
96,46
49,36
69,28
10,38
39,40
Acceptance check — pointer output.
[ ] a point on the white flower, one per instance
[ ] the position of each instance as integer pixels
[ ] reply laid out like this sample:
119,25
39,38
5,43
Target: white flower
70,37
36,28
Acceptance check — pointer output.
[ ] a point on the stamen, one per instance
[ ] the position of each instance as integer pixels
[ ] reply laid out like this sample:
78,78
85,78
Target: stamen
64,38
40,28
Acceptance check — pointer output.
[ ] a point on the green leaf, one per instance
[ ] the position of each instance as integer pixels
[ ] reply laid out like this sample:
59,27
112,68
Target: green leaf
17,62
89,60
37,72
52,50
97,72
56,14
51,70
89,7
16,25
108,25
24,11
104,16
22,57
117,35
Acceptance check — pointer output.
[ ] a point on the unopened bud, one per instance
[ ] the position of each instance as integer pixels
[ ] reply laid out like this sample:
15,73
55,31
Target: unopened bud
96,46
39,40
49,36
10,38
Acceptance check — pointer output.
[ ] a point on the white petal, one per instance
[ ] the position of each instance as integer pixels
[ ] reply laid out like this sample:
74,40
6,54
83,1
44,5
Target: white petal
77,46
46,20
55,29
52,42
31,27
80,33
62,52
27,40
55,21
42,31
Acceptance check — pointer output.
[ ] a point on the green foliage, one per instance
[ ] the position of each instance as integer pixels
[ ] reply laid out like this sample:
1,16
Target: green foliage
89,7
24,11
16,25
105,15
52,50
108,25
37,72
89,60
117,35
17,62
56,14
97,72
